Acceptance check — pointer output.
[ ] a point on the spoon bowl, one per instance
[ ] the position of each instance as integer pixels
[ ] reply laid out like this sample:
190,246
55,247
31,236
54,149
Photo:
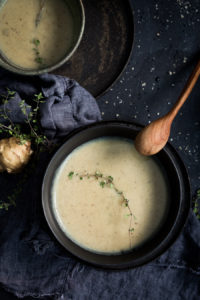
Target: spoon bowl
154,136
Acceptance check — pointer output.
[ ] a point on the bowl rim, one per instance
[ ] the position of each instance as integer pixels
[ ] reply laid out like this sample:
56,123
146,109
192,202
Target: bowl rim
27,72
171,236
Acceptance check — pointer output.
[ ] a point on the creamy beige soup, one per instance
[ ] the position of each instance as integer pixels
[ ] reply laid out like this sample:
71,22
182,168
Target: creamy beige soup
95,216
32,46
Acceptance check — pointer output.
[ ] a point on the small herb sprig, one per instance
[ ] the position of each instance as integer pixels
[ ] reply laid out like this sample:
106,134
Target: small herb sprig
38,58
32,132
196,201
108,181
31,118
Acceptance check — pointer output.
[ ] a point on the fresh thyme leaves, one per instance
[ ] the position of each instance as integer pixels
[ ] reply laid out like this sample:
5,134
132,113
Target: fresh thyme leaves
31,118
36,42
108,181
38,58
70,175
31,131
196,200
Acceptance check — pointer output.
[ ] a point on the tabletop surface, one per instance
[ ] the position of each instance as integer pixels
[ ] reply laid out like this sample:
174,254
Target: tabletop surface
166,49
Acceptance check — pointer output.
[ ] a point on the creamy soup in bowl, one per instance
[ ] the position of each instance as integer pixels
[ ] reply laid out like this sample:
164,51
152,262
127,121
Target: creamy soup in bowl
110,206
39,34
107,197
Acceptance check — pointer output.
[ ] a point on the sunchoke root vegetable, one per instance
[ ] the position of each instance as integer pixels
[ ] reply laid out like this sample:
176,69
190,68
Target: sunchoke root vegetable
14,155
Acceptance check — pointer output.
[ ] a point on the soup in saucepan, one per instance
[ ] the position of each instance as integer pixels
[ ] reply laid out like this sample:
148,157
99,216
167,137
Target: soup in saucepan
35,33
107,197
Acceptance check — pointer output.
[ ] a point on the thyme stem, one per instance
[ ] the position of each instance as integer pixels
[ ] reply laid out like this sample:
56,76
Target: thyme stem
109,182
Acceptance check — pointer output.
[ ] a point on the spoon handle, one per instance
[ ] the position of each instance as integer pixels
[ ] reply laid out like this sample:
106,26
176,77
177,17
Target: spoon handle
39,15
186,92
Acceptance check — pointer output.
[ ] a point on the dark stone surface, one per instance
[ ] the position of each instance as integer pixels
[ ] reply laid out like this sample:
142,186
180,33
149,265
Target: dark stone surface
166,48
105,47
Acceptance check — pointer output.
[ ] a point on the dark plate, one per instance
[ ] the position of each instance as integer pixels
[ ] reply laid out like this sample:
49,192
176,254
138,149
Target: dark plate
179,203
105,47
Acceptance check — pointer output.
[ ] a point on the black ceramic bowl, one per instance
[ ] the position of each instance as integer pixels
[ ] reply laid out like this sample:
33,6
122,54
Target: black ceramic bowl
179,202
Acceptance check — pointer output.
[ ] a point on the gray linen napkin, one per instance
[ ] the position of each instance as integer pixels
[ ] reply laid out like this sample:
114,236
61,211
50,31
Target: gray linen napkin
31,260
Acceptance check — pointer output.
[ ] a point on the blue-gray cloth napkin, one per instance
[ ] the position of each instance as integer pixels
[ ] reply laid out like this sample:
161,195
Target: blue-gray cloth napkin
32,263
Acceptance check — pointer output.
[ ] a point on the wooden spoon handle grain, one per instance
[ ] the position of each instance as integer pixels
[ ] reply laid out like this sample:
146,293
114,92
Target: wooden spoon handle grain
185,92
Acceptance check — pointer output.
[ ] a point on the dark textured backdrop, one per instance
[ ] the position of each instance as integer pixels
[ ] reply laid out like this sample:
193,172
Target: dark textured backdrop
166,48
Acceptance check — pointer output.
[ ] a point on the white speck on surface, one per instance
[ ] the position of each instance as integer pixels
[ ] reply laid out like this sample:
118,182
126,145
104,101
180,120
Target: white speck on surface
117,115
170,73
179,133
132,68
120,101
182,16
143,84
149,115
185,59
138,46
106,102
135,116
114,104
180,148
169,103
158,33
152,69
173,84
158,114
149,121
171,139
129,95
102,113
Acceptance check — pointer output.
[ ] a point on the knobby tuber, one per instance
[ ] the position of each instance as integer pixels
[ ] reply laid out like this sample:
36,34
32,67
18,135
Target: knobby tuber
14,154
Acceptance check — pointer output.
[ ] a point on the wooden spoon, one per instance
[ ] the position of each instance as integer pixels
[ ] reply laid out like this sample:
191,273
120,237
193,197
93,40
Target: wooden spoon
154,137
